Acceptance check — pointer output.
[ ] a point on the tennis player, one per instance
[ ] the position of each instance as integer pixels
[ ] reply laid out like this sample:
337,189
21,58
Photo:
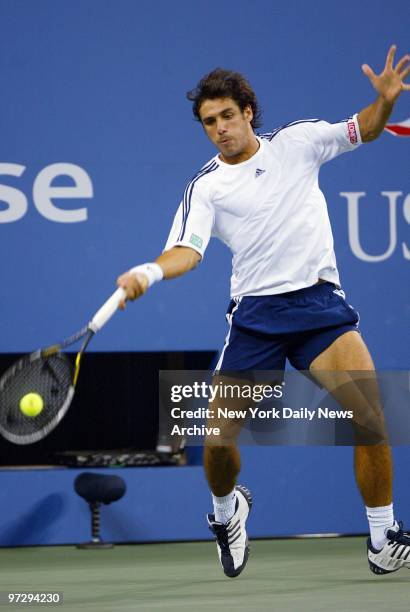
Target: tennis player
260,196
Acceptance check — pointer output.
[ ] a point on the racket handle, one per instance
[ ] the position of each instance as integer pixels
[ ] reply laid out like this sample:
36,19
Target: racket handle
107,310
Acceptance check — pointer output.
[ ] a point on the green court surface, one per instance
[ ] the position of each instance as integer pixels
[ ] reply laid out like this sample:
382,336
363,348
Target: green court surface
303,575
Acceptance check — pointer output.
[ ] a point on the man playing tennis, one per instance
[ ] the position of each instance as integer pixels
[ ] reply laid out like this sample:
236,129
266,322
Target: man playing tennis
260,196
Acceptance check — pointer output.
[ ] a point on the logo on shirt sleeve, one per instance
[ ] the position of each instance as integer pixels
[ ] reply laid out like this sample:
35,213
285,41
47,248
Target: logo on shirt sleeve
351,128
196,241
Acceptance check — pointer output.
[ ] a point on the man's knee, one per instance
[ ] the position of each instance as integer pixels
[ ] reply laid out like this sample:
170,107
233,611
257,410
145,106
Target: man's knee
224,439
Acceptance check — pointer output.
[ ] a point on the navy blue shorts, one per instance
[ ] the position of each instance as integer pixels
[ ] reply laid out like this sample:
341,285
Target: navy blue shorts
268,329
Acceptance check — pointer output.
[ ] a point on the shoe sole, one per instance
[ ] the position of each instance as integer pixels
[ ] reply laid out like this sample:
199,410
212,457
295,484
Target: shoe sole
376,569
379,570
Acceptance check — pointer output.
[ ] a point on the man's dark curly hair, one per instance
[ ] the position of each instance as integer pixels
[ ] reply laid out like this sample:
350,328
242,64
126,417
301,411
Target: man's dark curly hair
222,83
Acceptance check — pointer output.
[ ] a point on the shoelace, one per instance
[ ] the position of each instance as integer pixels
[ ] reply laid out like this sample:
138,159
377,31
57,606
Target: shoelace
400,536
221,534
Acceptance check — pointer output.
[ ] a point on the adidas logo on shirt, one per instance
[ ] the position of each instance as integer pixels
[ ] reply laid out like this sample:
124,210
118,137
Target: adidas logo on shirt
259,172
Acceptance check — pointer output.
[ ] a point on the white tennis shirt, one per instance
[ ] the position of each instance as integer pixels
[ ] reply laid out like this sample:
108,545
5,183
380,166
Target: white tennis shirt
269,209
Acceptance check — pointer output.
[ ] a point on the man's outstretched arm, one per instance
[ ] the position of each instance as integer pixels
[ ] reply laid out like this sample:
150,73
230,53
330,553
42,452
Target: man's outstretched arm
170,264
389,84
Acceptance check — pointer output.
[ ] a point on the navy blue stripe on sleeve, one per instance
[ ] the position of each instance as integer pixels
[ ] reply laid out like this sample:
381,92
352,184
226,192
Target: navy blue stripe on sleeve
186,207
270,135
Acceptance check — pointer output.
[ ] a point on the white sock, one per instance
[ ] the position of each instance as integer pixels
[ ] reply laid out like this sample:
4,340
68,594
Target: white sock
224,507
380,519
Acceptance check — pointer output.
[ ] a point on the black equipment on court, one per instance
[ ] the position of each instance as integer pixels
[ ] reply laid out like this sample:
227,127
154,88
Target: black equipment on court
117,458
98,489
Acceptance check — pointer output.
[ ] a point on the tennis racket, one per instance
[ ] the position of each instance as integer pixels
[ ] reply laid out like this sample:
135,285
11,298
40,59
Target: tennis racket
50,374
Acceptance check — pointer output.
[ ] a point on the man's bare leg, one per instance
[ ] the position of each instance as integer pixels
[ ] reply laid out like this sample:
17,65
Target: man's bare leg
222,465
373,462
222,461
232,503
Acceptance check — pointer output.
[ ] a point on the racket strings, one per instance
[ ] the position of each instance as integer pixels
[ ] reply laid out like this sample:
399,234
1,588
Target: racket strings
50,377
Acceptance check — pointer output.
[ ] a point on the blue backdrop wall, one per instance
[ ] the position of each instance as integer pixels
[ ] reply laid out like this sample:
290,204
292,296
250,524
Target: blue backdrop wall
98,141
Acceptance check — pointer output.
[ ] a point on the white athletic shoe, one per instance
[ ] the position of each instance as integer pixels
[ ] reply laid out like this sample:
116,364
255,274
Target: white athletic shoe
394,554
231,538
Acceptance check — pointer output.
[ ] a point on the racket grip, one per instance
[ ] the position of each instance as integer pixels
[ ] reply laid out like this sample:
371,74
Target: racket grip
107,310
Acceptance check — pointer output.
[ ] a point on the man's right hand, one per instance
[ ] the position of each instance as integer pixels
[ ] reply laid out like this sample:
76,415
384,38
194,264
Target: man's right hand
135,285
170,264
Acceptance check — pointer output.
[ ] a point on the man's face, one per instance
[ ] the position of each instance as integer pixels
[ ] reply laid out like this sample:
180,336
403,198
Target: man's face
227,126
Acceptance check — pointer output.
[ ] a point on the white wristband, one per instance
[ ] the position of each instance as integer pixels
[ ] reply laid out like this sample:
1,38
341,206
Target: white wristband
152,271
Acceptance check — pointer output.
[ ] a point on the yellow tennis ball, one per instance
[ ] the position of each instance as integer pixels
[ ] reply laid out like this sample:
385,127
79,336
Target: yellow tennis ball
31,404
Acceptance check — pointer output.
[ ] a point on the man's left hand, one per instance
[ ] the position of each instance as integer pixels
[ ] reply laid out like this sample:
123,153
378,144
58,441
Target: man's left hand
390,83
